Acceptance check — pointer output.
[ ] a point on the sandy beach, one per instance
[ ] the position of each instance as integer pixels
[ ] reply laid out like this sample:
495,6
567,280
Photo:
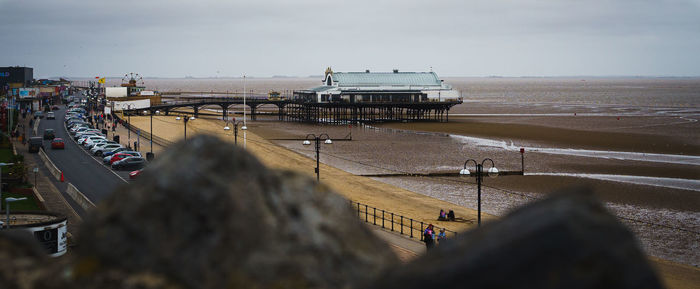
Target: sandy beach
643,161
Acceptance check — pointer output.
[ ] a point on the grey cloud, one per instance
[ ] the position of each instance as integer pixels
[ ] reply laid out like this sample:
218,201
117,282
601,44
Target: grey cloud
509,37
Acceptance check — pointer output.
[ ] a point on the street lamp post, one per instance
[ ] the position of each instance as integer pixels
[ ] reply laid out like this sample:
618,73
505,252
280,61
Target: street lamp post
493,172
235,129
185,119
317,139
7,209
128,122
151,132
36,171
245,127
2,165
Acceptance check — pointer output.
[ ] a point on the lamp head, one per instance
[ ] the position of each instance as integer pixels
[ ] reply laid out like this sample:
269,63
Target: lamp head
464,172
244,128
328,141
191,117
306,142
493,172
227,128
178,118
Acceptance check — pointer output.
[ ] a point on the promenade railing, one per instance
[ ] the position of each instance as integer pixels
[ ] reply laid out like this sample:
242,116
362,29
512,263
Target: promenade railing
156,139
396,223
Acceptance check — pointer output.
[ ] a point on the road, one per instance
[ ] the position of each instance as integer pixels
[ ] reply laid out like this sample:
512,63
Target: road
85,172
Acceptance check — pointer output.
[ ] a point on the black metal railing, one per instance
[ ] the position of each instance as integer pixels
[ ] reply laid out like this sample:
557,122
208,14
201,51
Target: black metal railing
156,139
394,222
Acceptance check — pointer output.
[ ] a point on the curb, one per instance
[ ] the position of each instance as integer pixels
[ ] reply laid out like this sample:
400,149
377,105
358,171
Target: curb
50,165
39,198
79,198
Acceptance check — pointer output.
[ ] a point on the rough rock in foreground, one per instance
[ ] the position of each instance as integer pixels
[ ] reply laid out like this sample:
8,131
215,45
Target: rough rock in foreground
208,215
566,241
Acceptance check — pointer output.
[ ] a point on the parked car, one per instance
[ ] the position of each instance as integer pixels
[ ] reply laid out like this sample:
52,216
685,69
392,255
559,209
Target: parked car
50,115
55,107
134,174
109,153
35,143
57,143
49,133
119,156
81,136
130,163
84,138
91,145
91,140
98,150
38,114
78,129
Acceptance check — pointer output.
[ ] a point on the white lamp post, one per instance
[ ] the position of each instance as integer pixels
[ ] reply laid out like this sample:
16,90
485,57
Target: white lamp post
7,209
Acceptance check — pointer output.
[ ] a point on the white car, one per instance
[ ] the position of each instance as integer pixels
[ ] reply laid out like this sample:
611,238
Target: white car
91,145
91,139
99,149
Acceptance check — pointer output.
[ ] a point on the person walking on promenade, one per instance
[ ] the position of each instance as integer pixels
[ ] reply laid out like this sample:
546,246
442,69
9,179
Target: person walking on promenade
428,237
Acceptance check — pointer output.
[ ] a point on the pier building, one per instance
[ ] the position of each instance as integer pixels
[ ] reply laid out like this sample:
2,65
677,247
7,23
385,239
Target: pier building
374,97
379,87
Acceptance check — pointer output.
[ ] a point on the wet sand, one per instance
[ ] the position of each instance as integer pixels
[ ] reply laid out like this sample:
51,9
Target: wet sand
375,150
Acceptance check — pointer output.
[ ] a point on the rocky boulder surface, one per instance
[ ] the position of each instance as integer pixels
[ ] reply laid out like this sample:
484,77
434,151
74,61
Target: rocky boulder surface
210,215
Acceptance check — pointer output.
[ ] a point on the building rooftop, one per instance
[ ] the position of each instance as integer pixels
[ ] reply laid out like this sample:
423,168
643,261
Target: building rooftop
386,79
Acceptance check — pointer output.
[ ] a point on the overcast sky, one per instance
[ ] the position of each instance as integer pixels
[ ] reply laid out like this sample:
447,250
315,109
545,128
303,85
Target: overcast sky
173,38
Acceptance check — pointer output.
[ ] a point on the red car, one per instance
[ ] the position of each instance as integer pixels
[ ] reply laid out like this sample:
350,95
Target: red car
119,156
134,174
57,143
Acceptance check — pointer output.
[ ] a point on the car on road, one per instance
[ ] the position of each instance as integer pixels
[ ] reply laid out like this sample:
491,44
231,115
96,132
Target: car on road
49,133
86,132
38,114
83,138
122,155
130,163
50,115
35,143
98,150
109,153
135,174
93,144
91,140
57,143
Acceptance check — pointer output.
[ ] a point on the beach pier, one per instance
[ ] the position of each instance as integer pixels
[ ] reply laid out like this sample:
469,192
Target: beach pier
343,112
339,112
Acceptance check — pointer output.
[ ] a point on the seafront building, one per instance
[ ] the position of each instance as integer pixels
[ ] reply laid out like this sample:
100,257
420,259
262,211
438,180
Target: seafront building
358,97
379,87
21,90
